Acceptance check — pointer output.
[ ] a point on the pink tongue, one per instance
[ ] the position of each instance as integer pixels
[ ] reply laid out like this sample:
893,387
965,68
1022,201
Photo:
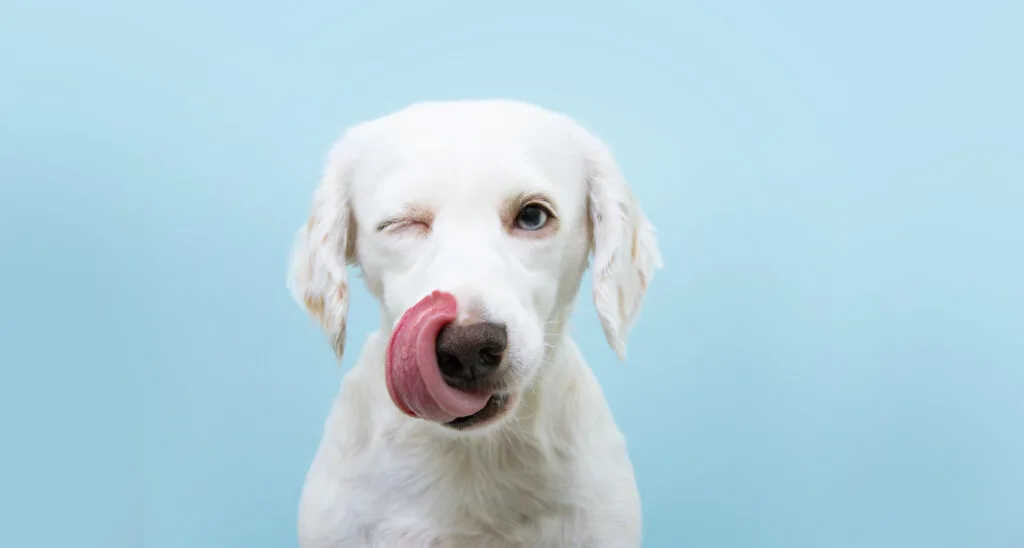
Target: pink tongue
413,378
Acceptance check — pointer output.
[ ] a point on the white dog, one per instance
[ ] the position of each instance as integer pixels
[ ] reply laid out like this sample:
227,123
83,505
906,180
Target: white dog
471,419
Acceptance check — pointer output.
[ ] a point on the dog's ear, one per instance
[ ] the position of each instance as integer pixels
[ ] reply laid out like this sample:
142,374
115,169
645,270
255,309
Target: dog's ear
325,245
625,252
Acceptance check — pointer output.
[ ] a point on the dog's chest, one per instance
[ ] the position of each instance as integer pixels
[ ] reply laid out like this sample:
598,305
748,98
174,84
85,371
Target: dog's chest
468,498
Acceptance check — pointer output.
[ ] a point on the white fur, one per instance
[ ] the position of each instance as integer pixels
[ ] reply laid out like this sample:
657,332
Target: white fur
554,470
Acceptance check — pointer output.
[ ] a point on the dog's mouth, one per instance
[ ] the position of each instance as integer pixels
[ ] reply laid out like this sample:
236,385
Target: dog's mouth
413,375
494,409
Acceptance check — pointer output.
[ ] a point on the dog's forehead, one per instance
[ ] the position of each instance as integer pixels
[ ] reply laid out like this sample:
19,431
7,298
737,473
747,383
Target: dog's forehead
471,151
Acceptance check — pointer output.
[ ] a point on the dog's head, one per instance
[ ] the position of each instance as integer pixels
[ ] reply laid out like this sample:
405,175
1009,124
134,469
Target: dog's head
483,214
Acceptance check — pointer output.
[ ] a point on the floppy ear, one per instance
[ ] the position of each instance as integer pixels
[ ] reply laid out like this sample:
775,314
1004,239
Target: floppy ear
324,246
625,253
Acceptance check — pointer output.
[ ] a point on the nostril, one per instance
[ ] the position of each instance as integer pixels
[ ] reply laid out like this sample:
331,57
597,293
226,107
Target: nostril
491,355
448,363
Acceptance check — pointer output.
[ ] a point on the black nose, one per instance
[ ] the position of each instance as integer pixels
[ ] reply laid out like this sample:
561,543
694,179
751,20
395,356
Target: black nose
470,352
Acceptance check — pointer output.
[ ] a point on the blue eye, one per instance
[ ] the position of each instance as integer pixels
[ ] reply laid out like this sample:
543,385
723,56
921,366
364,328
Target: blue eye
532,217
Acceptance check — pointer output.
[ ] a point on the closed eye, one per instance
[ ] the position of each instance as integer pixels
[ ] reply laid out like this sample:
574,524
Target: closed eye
417,219
398,225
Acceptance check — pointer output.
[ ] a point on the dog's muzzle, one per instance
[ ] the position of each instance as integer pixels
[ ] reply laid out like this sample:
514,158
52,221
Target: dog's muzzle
434,365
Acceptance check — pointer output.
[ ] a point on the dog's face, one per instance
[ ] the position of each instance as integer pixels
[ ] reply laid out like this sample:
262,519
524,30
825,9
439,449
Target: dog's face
497,203
505,234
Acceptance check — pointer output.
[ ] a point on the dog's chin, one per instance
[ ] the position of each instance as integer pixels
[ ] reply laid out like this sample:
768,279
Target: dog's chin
497,408
505,389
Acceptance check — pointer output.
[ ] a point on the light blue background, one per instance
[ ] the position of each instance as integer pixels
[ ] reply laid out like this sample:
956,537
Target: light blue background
833,356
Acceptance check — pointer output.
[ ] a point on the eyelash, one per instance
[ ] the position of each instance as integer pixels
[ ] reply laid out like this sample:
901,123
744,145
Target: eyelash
398,224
